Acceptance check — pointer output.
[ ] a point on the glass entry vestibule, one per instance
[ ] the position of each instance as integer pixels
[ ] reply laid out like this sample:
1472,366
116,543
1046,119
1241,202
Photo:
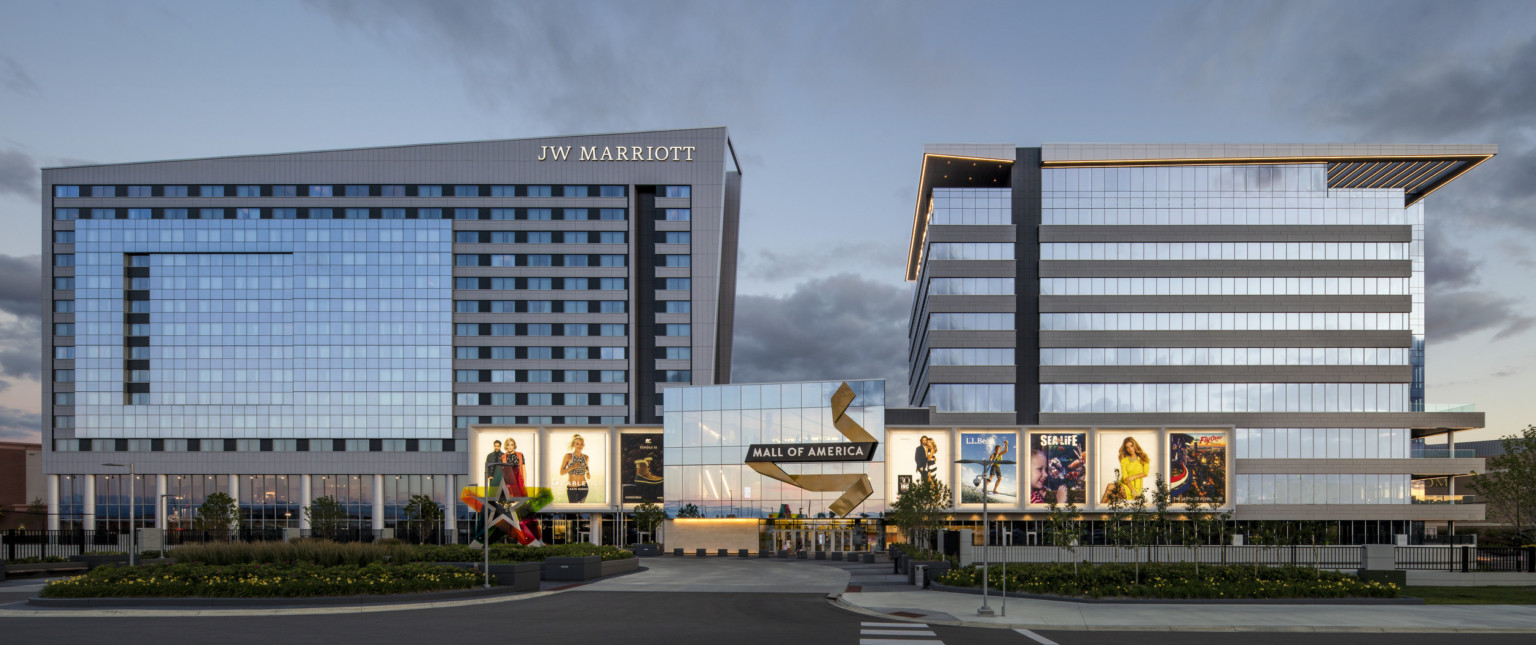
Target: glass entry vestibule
820,535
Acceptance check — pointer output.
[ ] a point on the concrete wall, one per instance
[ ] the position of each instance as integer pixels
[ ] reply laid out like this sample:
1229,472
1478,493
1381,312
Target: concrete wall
711,534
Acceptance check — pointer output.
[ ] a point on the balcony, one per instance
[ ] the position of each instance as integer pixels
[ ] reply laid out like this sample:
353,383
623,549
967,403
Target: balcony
1444,499
1442,453
1448,407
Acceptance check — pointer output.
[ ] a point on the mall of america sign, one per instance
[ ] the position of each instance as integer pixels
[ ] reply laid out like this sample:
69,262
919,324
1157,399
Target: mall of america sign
765,457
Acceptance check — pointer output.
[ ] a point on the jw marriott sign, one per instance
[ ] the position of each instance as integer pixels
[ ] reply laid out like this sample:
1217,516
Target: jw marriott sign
617,153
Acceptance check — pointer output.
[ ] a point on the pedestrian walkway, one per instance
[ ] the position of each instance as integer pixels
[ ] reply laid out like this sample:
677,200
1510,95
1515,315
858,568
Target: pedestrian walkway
1049,615
727,575
896,634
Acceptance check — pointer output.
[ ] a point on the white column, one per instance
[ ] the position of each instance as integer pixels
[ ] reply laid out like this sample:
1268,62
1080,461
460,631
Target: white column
378,503
306,495
597,528
450,510
88,508
160,493
53,502
234,488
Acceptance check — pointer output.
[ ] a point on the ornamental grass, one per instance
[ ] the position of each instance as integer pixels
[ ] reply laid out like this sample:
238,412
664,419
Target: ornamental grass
327,553
1171,580
260,580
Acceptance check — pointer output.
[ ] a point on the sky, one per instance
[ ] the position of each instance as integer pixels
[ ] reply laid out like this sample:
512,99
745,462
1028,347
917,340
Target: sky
828,105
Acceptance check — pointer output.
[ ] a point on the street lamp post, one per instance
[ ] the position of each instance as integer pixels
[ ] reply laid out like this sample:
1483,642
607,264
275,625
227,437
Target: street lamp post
133,516
986,528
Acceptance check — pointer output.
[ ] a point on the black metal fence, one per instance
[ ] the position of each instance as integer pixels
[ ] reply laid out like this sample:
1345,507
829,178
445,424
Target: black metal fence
178,537
1467,558
17,544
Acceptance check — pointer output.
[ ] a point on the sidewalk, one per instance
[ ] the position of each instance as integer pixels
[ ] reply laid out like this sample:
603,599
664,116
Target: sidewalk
937,607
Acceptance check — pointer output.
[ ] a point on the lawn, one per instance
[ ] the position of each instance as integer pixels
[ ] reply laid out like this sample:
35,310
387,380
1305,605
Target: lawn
1473,595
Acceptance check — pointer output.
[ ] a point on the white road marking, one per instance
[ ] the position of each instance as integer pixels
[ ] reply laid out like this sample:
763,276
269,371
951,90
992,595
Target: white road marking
906,625
895,641
896,632
1035,637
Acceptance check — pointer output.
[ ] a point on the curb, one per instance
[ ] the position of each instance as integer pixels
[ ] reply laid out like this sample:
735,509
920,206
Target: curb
263,603
1189,601
839,603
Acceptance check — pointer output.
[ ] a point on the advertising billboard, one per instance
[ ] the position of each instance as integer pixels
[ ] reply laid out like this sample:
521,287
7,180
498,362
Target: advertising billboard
912,457
998,483
578,466
1197,466
1126,465
1058,467
513,451
640,468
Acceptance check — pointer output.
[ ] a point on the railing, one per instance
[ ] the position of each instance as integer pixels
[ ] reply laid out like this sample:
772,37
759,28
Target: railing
1442,453
1449,407
16,544
1327,557
1444,499
178,537
1466,558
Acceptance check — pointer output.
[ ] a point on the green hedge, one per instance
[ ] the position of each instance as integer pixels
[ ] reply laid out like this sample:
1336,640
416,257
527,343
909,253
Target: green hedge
36,560
1165,580
511,553
328,553
260,581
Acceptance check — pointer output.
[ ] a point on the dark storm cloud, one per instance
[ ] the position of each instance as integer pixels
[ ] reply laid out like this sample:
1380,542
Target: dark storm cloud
20,296
809,260
1447,266
14,77
20,355
18,174
838,327
20,286
20,425
1459,313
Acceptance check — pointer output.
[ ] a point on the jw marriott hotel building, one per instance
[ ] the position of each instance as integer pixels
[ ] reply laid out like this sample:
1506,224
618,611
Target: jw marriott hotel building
290,326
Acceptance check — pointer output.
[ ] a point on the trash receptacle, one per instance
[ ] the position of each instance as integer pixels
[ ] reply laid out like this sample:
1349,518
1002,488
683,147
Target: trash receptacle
920,576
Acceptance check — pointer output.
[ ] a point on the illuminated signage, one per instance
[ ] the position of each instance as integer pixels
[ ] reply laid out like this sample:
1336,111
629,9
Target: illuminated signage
806,452
617,153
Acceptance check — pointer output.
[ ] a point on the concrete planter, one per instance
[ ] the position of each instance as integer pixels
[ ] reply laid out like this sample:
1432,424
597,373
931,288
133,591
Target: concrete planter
614,567
800,555
521,576
578,569
765,553
741,553
867,558
93,561
821,555
837,555
44,566
678,552
724,553
703,553
783,553
647,550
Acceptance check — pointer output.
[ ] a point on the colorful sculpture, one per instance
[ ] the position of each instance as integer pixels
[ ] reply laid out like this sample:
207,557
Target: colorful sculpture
512,504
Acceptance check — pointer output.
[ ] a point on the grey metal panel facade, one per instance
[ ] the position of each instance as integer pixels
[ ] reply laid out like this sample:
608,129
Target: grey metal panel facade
1068,304
1199,233
1456,420
1175,152
1225,268
1228,374
1226,339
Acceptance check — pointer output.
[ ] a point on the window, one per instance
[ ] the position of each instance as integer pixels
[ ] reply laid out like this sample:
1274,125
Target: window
139,213
466,398
392,191
613,237
247,191
613,260
575,191
240,213
64,352
575,354
675,376
611,284
63,306
140,191
678,214
612,398
211,213
285,191
536,353
66,191
103,213
466,237
320,191
611,191
677,306
466,191
138,307
575,260
64,376
575,214
611,353
64,398
576,306
613,307
466,213
576,329
64,260
103,191
357,191
285,213
503,284
540,284
175,213
466,307
320,213
63,237
466,376
679,353
175,191
64,329
540,237
210,191
504,213
429,213
541,214
539,260
138,353
677,237
678,191
138,260
466,353
611,214
357,213
63,422
677,330
392,213
576,376
541,330
503,191
429,191
612,329
66,214
612,376
677,284
63,284
674,260
540,191
466,329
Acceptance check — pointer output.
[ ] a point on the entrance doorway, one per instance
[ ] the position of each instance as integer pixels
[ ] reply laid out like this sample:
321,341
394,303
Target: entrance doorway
819,535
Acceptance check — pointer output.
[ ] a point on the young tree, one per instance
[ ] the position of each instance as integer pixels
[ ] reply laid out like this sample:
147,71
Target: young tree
1160,523
218,516
919,510
422,514
1064,528
1138,529
648,516
689,510
1509,486
325,516
1191,538
1118,530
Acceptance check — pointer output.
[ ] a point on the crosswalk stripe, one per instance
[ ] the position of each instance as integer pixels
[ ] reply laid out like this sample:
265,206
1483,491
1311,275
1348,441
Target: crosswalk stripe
896,632
896,641
1036,637
904,625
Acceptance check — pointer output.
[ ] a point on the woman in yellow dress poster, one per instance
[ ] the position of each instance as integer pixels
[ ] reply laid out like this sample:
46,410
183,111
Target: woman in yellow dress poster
1134,467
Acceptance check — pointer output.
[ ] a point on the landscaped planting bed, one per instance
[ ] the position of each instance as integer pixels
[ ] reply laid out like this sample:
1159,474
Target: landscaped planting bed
1165,580
257,580
330,553
511,553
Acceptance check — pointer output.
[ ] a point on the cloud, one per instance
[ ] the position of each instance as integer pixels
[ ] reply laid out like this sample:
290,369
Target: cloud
1455,314
810,260
21,330
20,425
18,174
1445,266
21,281
843,326
15,78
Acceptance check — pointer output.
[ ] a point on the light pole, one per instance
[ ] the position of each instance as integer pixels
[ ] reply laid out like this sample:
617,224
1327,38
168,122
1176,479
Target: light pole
133,516
485,524
986,527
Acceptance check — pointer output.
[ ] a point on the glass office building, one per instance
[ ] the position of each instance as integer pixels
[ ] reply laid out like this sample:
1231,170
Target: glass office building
285,327
1275,289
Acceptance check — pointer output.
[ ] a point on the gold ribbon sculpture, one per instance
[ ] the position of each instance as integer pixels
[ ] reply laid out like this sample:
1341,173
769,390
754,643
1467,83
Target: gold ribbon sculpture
856,488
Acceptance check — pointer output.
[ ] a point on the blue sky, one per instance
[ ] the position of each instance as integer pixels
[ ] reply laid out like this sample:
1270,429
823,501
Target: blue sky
829,105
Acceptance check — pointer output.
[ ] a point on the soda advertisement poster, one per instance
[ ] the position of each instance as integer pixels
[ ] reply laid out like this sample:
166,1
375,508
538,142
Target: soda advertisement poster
640,468
1197,467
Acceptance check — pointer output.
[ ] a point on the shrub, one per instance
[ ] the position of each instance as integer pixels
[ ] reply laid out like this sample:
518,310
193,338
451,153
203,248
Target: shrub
1173,580
149,553
321,552
512,553
257,580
